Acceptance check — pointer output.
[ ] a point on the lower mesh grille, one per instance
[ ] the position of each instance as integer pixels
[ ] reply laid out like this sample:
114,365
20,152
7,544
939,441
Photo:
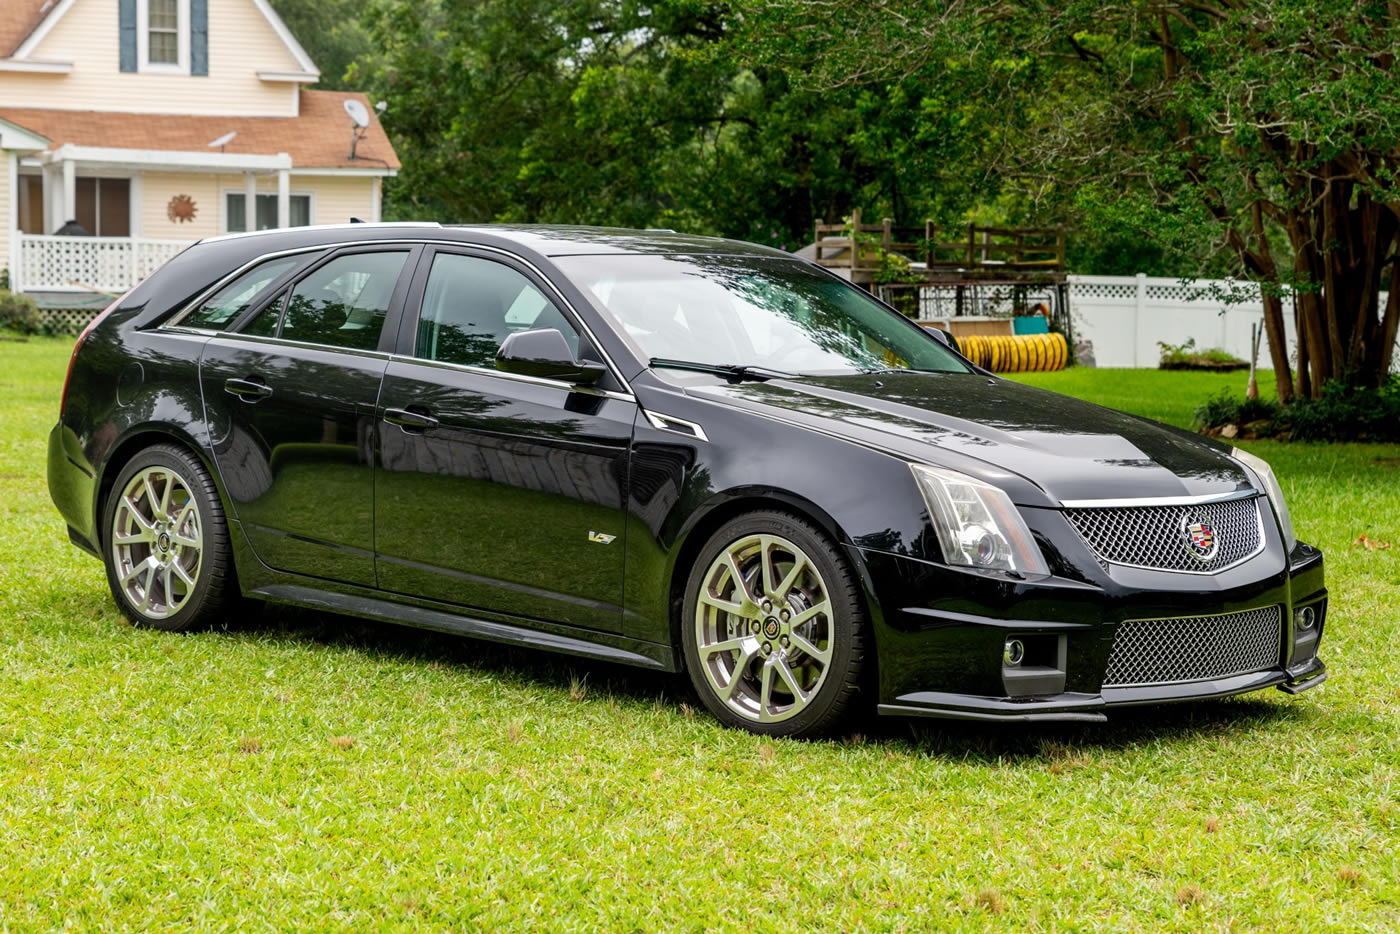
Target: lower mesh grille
1194,648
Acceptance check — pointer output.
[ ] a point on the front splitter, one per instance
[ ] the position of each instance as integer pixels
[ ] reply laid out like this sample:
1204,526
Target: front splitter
1091,708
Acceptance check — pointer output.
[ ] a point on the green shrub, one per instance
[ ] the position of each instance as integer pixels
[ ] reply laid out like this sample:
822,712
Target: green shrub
1346,413
1186,357
1341,413
18,313
1227,409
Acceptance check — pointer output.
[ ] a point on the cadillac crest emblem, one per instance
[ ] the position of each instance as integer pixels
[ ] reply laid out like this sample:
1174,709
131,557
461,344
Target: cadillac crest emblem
1201,539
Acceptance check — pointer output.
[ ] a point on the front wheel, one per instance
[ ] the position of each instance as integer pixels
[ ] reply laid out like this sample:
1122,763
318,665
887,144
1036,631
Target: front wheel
167,548
773,627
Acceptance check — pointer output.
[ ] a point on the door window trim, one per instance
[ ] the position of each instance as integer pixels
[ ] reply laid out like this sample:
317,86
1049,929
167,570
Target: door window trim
392,314
426,247
270,291
406,345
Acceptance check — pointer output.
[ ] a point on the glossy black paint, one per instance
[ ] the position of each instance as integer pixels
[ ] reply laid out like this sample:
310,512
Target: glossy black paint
528,510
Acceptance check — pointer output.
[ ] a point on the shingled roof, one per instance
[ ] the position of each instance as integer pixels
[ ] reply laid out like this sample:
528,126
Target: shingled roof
318,138
21,17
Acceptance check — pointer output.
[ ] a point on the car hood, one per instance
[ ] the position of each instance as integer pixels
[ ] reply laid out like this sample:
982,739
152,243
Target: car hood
1065,448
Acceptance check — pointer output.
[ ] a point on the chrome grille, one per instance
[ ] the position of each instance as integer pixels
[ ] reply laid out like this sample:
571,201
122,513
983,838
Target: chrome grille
1154,537
1193,648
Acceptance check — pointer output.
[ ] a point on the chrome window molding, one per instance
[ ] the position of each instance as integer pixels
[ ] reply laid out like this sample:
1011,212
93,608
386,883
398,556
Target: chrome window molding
675,425
515,377
288,342
613,368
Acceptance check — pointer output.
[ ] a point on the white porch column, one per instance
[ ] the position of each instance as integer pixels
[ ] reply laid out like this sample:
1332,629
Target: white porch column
284,198
50,206
134,194
70,194
250,201
12,238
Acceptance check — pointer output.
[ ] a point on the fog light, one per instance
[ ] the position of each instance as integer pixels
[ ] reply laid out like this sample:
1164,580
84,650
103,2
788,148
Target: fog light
1014,653
1305,618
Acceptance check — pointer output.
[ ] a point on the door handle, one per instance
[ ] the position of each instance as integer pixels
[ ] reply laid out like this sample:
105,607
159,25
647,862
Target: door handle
249,390
410,420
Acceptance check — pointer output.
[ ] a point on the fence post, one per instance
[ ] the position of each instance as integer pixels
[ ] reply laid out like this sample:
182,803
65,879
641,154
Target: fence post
855,239
1139,311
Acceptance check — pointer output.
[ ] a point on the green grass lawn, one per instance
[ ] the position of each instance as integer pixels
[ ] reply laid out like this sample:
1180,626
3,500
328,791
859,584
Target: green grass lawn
307,771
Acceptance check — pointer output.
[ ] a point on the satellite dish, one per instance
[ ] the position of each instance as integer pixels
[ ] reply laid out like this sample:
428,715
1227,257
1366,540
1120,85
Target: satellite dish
382,106
359,113
224,140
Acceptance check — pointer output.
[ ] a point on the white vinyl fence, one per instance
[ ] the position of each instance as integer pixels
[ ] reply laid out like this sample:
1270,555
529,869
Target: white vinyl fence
1125,317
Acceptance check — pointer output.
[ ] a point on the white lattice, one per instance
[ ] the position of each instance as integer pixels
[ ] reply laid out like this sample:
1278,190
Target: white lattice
1116,290
103,264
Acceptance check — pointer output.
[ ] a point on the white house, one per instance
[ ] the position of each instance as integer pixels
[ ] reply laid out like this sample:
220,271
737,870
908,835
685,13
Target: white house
154,123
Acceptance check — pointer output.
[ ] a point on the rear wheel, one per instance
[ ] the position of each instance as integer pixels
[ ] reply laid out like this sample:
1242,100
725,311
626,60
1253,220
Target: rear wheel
773,627
167,549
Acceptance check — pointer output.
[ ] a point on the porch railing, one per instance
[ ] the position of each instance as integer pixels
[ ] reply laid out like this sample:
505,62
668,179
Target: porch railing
102,264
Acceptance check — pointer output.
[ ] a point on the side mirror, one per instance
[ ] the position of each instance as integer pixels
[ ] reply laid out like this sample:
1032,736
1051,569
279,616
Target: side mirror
545,353
947,339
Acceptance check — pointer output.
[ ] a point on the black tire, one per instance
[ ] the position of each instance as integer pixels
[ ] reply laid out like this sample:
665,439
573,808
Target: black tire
215,587
845,627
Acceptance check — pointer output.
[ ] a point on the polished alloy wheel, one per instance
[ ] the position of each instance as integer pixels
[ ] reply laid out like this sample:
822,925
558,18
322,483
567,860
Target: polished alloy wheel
156,542
763,628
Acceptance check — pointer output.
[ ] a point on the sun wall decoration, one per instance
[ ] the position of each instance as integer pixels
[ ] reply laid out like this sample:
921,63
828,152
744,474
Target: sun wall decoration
181,209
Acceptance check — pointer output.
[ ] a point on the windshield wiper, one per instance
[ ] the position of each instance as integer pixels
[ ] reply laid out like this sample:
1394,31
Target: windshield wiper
731,370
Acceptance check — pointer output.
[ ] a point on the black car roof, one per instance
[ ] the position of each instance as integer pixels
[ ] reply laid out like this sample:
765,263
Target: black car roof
565,240
542,239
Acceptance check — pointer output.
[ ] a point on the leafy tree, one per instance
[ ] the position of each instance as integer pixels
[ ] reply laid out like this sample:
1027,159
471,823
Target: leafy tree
1265,131
615,112
331,33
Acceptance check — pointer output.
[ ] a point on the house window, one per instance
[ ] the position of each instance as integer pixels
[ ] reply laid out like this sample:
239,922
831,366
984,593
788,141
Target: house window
103,206
266,211
163,32
163,37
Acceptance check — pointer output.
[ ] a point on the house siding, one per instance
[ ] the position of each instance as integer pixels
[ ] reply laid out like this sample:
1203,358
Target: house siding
158,188
241,43
338,199
334,200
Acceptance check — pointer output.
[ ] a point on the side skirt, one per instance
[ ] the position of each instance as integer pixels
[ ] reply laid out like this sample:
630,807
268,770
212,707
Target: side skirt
600,646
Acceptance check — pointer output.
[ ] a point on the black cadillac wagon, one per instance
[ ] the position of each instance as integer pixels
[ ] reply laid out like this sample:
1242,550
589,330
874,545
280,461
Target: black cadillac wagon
675,452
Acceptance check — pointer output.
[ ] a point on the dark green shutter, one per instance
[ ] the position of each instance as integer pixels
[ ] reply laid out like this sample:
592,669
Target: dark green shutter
126,30
199,37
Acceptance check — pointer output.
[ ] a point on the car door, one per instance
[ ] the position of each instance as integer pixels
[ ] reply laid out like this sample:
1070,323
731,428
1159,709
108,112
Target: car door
290,397
498,491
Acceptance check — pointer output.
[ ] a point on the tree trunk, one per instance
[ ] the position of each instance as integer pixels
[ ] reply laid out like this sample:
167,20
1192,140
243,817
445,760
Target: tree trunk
1273,307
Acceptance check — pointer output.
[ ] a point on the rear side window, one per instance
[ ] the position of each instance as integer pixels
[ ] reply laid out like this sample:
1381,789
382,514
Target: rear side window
220,309
344,302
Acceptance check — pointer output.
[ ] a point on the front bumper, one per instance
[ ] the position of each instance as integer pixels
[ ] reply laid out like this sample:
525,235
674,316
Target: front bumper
1091,707
940,634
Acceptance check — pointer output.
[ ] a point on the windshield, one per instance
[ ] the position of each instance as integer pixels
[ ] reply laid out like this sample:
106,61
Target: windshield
747,311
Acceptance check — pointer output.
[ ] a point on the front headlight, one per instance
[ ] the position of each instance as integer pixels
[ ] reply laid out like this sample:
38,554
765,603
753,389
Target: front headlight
1273,491
977,524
